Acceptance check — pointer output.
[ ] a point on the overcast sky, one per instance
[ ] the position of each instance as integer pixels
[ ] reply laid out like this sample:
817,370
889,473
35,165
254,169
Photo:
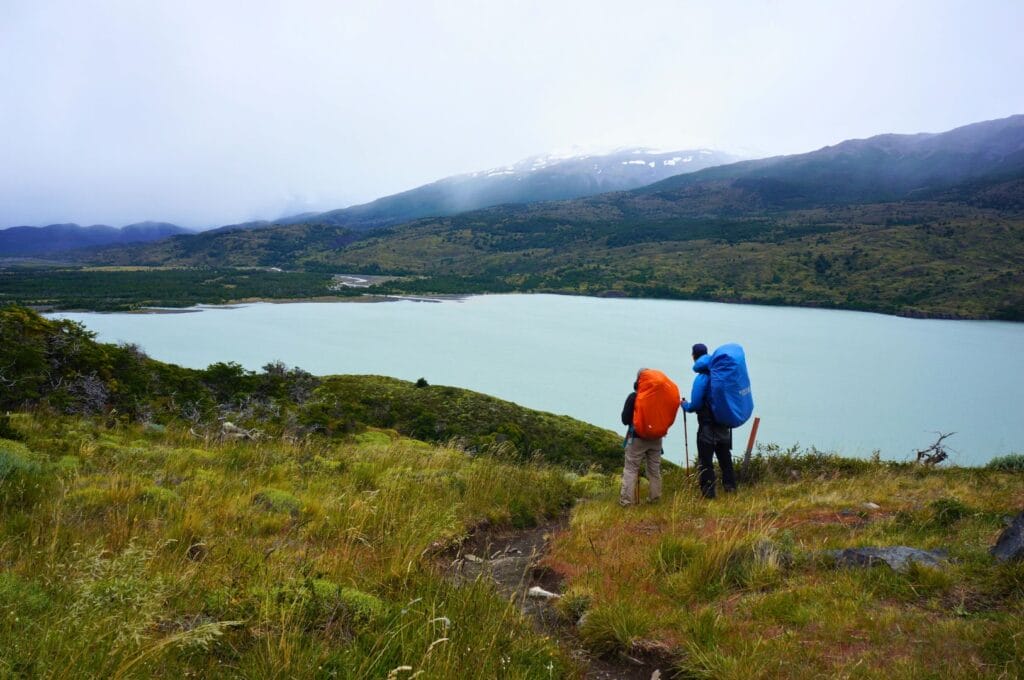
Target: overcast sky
210,112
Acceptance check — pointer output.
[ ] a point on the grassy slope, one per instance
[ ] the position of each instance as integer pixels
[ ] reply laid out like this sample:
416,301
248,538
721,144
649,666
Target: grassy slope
687,575
127,552
132,551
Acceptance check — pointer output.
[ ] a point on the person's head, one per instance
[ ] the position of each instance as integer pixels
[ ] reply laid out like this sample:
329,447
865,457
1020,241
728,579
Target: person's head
699,350
636,383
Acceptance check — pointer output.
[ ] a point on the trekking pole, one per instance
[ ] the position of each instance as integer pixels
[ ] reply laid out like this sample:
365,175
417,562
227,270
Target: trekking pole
686,443
636,488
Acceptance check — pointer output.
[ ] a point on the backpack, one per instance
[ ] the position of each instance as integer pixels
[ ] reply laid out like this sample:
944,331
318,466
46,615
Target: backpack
731,399
657,402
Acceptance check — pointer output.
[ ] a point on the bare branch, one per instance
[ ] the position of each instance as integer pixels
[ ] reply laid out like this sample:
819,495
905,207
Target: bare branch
936,453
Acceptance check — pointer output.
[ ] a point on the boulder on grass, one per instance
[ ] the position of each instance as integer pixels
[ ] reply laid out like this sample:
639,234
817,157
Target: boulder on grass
897,557
1010,544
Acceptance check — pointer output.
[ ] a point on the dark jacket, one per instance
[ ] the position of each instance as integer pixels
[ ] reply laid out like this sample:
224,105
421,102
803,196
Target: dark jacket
627,409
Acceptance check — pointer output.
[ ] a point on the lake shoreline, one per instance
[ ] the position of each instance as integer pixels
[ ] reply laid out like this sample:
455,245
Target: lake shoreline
816,373
371,298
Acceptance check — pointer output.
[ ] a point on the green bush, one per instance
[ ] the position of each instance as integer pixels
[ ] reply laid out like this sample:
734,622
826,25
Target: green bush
22,597
1013,462
614,627
772,463
945,512
158,496
574,604
673,554
276,500
6,430
320,603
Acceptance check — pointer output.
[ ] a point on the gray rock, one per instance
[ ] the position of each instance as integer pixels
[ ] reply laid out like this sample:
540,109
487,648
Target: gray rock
897,557
539,593
1010,544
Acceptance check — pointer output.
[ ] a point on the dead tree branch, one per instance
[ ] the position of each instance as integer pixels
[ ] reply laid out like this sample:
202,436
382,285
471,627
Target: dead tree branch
936,453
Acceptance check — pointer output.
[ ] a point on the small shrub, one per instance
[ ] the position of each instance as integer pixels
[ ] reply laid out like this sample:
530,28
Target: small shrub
521,515
927,581
674,554
783,607
590,485
947,511
1004,648
329,464
613,627
1013,462
6,430
358,608
91,500
276,500
705,628
158,496
22,597
320,604
772,463
574,604
23,479
364,475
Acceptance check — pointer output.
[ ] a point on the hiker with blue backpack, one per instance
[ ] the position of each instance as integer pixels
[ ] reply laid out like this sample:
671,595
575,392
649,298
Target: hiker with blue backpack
722,400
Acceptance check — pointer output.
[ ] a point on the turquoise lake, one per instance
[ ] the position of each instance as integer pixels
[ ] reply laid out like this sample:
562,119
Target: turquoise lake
849,382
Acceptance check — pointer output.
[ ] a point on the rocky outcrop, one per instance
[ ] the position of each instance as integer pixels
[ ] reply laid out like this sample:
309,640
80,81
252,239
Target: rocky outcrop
1010,544
897,557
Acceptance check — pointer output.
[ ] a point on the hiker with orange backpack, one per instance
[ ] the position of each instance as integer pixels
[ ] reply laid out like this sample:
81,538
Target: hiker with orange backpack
649,411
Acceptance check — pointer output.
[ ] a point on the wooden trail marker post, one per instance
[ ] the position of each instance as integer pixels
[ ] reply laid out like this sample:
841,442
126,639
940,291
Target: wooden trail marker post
750,446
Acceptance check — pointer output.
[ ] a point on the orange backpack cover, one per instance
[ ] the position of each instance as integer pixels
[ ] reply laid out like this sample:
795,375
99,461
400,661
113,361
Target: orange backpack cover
657,402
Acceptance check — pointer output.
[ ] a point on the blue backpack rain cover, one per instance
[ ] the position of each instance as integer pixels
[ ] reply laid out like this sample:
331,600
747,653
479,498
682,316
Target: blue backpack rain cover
731,399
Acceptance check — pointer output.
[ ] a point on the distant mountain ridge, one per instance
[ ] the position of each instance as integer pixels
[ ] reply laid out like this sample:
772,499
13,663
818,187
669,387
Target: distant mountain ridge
912,224
535,179
878,169
28,241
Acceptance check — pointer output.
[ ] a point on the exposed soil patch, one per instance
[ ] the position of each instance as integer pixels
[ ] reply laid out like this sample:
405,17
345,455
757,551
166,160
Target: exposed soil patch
513,559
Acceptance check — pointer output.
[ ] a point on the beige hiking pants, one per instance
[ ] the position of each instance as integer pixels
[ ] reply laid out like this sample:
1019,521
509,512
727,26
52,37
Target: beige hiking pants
648,452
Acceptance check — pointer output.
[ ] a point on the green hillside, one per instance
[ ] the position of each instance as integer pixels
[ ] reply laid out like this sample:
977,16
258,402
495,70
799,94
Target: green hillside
57,365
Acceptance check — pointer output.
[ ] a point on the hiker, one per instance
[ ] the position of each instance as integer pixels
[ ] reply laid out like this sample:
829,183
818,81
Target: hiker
649,411
713,439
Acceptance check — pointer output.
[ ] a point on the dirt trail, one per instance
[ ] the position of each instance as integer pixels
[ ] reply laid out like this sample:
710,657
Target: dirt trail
512,558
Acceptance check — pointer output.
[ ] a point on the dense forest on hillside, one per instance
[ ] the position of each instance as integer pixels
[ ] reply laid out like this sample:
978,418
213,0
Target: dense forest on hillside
130,288
918,259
